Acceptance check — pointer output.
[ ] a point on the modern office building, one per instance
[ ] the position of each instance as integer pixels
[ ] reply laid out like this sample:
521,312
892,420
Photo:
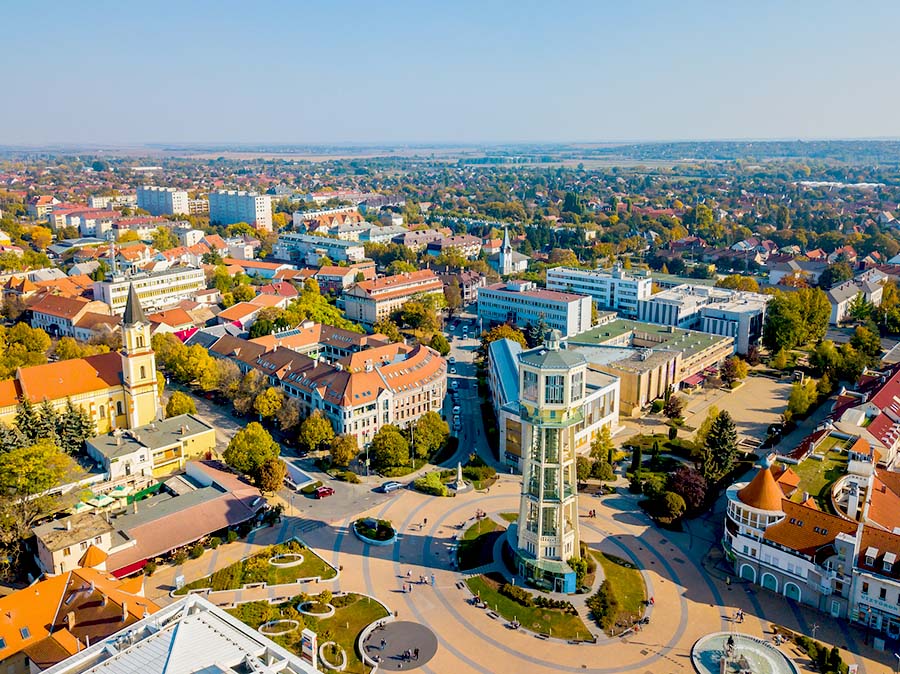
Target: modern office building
229,206
720,311
599,407
156,290
552,391
310,249
368,302
523,304
613,290
163,200
649,358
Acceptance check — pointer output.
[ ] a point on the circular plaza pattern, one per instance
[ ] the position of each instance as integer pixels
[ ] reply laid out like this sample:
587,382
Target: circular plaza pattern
402,645
741,653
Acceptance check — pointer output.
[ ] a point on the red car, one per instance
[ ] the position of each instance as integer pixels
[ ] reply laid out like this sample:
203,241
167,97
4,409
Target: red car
322,492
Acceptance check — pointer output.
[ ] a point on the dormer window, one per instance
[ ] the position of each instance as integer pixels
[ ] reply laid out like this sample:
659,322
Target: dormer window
871,555
888,562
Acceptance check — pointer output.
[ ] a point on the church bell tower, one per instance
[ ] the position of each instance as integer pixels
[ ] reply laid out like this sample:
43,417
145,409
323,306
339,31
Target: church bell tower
138,365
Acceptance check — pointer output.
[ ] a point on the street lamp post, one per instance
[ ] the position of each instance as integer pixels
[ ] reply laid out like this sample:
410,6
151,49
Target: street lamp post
897,666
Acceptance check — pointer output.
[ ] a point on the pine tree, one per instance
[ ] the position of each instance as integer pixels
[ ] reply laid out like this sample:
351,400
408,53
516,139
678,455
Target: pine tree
48,421
11,439
721,447
27,421
637,457
74,427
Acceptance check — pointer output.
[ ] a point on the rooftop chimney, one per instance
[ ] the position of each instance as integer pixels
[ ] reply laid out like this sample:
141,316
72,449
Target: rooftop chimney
70,620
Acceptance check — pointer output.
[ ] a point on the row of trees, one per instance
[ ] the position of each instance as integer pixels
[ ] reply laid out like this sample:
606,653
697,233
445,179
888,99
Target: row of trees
66,429
796,318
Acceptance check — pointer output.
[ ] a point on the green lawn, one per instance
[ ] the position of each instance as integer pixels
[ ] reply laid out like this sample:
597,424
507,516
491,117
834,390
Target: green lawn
816,477
256,569
554,622
627,583
343,627
510,517
477,544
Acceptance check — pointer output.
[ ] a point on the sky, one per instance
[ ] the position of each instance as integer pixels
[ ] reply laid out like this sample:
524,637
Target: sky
429,71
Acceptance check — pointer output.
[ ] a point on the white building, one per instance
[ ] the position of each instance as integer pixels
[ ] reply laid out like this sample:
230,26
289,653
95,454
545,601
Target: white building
162,200
308,248
521,303
118,201
552,392
369,302
155,290
190,635
613,290
719,311
229,206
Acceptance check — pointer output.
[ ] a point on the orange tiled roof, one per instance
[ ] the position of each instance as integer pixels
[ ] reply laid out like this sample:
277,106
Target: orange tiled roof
173,317
93,557
805,529
238,311
762,492
66,378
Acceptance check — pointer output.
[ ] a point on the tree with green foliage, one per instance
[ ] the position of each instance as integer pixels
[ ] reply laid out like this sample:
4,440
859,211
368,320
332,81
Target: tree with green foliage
267,403
400,267
672,505
860,310
637,459
243,293
288,415
26,474
602,444
389,448
315,431
431,432
803,396
250,448
835,274
440,344
164,239
389,329
180,403
796,318
739,282
583,466
10,438
502,331
74,426
703,431
453,296
720,451
343,449
868,343
780,360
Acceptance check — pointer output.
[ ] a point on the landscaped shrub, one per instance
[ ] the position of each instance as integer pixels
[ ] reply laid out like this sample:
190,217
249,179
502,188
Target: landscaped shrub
604,606
517,594
600,470
376,530
580,567
657,406
179,558
349,476
197,551
231,536
149,568
673,432
342,601
311,488
214,542
430,483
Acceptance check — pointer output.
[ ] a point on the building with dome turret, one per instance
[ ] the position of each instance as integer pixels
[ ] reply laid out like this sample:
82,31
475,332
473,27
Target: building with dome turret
552,384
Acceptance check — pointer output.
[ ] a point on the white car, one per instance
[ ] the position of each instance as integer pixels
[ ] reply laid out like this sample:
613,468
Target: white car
456,410
452,360
452,370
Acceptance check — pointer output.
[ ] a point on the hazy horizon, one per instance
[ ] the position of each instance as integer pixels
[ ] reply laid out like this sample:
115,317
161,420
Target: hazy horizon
354,73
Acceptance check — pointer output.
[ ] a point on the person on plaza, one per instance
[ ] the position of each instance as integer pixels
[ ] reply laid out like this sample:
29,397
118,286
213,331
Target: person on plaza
416,654
383,644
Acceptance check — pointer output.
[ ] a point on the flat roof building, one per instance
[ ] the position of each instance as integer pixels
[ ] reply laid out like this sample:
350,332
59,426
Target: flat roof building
612,289
156,290
521,303
309,249
369,302
227,207
163,200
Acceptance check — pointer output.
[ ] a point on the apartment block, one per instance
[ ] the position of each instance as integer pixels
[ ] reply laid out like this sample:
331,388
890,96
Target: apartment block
156,290
309,249
368,302
162,200
229,206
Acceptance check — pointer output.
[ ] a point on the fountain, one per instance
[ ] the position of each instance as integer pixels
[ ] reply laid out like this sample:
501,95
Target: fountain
734,653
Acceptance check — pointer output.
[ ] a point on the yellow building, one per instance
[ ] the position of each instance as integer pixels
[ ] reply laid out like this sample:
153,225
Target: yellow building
117,390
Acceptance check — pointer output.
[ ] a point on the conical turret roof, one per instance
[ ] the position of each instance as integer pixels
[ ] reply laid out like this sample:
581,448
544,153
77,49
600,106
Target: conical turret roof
763,492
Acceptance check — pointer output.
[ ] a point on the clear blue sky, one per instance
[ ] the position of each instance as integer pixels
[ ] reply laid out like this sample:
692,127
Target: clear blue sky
448,71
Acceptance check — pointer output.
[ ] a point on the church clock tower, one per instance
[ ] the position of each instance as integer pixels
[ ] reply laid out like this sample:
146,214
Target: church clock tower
138,365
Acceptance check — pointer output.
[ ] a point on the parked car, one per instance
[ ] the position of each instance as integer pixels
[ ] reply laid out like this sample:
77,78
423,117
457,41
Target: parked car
456,410
452,370
390,486
322,492
454,384
452,360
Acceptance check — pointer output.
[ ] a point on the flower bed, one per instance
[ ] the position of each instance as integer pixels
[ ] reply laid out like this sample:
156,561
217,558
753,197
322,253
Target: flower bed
374,532
275,628
330,650
290,559
316,609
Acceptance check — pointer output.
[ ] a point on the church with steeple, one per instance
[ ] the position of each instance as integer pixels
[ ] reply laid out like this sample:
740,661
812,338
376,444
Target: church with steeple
507,261
118,390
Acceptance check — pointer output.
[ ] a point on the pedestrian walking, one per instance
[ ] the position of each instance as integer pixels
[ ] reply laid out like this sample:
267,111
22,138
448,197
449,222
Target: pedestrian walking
409,573
432,580
383,644
425,522
416,654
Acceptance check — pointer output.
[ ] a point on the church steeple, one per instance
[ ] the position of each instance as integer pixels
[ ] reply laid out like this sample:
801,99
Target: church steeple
506,255
134,313
138,364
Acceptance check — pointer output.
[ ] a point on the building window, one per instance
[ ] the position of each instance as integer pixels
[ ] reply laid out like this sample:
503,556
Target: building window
119,409
102,411
553,389
530,385
140,341
882,594
865,588
577,386
67,552
143,372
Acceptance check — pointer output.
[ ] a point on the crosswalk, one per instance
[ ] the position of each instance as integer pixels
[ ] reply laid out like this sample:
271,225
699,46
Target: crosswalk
305,526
